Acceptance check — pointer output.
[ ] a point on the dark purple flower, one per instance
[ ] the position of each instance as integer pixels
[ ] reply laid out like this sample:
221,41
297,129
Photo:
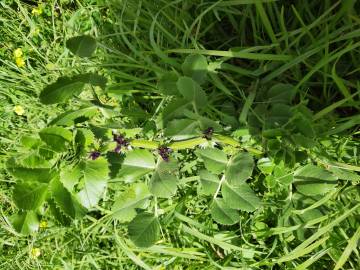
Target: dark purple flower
117,148
208,133
164,152
94,155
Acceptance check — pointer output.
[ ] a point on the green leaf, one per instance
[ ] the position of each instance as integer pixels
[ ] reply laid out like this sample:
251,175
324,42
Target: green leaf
60,91
29,195
137,163
83,46
25,222
222,214
71,118
174,109
57,138
182,129
209,182
20,172
96,174
136,196
167,84
66,87
192,91
239,168
65,201
144,230
345,174
240,197
313,180
214,159
195,66
281,93
265,165
164,181
70,176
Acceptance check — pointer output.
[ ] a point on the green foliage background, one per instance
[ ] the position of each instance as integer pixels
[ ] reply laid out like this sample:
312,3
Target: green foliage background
277,81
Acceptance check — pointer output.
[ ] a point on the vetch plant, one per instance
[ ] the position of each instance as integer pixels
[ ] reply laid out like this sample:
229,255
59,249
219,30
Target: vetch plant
90,156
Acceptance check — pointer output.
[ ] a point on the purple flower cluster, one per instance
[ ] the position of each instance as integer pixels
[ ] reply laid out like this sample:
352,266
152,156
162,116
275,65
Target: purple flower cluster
164,152
208,133
121,141
94,155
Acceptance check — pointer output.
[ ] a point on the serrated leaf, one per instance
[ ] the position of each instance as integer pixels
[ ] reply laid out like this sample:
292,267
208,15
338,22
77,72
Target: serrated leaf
137,163
57,138
164,181
214,159
83,46
66,87
240,197
181,129
70,118
239,168
62,90
25,222
167,84
144,230
195,66
65,201
313,180
209,182
192,91
59,216
70,176
20,172
135,196
222,214
96,174
29,195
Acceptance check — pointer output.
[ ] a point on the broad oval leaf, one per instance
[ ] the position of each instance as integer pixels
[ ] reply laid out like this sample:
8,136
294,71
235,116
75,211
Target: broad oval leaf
182,129
167,84
223,214
195,66
313,180
30,195
83,46
96,173
72,117
209,182
174,109
135,196
25,222
192,91
265,165
214,159
57,138
164,181
137,163
65,201
240,197
239,168
144,230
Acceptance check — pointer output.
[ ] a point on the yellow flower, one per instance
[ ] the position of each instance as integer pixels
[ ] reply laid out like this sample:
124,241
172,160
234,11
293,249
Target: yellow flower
19,110
35,252
37,11
18,53
43,224
20,62
35,31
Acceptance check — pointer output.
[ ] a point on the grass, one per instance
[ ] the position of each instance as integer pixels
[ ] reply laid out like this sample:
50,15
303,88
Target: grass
253,45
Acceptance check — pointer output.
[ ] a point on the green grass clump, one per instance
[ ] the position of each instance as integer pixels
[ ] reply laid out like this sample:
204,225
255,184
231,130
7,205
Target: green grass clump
278,84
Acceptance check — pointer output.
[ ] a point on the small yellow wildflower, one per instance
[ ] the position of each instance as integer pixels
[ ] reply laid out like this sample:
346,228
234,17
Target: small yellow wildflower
20,62
37,11
43,224
35,31
35,252
19,110
18,53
